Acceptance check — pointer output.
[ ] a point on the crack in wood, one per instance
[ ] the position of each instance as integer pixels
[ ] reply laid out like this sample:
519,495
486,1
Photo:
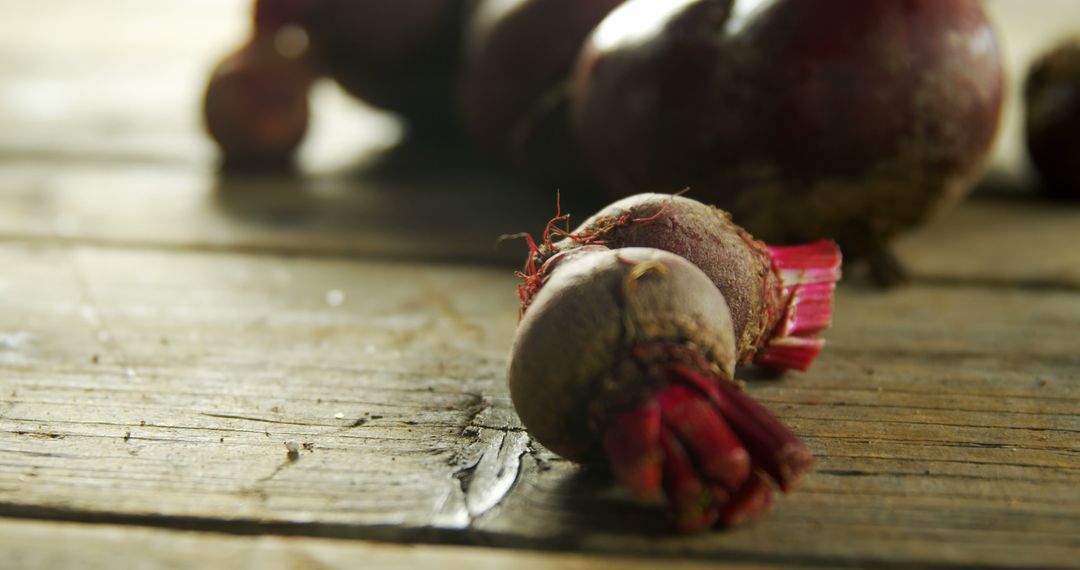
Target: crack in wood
487,480
927,473
264,420
928,423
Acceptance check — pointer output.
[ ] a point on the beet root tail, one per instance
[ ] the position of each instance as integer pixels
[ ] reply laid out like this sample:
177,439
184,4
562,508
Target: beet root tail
753,500
714,451
633,447
692,502
719,454
772,446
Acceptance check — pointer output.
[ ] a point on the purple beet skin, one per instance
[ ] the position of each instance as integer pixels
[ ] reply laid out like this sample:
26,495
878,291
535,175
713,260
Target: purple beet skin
402,56
846,119
1052,97
518,61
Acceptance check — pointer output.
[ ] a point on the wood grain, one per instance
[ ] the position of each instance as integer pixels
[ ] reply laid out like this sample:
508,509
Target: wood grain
165,331
64,545
159,386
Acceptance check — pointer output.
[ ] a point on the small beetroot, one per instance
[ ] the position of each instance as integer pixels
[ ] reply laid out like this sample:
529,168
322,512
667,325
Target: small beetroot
780,298
256,103
1052,97
629,354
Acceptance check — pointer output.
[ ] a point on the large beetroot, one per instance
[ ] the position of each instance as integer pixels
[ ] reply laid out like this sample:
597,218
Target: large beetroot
401,55
629,355
518,61
850,119
1052,119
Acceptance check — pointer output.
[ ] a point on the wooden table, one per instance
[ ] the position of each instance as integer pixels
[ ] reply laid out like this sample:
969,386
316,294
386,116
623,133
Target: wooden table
165,331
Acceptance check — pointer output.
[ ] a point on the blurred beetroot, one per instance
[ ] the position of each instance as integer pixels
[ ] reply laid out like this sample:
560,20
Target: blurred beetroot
256,105
851,119
402,55
518,62
1052,97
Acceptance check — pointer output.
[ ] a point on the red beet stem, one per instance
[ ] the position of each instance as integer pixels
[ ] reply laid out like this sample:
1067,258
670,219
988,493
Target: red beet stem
690,500
771,444
790,353
817,262
808,274
752,500
694,420
810,310
632,443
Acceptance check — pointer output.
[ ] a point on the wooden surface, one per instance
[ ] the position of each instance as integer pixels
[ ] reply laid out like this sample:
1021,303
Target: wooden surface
165,331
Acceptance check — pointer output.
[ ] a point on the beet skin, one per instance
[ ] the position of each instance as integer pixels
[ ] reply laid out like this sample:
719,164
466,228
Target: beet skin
518,60
256,105
807,119
571,367
1052,97
400,55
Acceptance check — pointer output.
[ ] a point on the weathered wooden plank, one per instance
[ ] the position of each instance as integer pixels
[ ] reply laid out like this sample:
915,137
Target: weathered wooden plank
158,378
447,208
156,351
160,386
998,242
987,241
28,544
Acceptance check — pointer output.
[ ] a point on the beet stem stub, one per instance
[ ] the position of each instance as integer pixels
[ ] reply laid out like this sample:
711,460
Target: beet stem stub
790,353
772,446
817,262
691,502
752,500
632,443
694,420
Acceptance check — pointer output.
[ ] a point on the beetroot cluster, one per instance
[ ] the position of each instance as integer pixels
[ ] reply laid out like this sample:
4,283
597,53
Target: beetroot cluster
632,327
811,121
848,119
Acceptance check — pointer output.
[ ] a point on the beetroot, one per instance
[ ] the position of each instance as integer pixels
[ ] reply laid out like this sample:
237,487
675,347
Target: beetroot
629,354
849,119
402,56
1052,97
780,297
518,61
256,105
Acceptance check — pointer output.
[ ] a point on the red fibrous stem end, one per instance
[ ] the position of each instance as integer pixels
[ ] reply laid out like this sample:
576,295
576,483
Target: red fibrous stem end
691,500
790,353
752,500
713,450
633,447
808,273
694,420
532,273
